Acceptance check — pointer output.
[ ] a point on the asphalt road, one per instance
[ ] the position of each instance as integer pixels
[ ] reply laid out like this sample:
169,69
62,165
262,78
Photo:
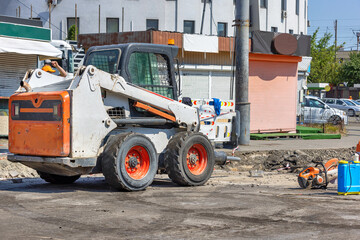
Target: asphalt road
228,207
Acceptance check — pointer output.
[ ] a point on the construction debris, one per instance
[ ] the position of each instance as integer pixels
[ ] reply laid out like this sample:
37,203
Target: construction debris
287,161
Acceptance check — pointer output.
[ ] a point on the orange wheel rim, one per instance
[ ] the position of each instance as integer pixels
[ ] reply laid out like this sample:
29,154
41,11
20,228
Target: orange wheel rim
137,162
197,159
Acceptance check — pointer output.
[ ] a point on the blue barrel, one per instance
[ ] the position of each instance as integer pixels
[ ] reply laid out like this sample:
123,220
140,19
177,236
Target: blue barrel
348,177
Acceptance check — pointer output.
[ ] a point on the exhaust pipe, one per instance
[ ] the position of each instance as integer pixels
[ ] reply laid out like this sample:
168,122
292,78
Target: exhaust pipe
221,158
26,86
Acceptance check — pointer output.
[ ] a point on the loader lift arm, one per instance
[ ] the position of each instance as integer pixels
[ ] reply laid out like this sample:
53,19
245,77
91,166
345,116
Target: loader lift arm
170,109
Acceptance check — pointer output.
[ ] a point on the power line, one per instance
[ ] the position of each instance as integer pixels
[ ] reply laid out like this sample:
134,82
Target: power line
46,21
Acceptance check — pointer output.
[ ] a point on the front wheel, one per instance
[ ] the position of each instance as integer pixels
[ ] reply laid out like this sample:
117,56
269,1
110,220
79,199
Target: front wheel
189,159
129,161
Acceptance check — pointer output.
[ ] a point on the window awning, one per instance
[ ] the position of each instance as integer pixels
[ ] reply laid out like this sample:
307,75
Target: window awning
21,46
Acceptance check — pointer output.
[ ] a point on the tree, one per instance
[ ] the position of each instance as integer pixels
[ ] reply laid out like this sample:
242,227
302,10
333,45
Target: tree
324,68
71,33
350,70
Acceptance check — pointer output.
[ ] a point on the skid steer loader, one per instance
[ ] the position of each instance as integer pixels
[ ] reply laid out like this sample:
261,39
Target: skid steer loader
119,115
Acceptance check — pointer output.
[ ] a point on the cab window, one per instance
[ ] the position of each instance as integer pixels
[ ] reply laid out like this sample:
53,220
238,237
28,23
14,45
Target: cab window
349,103
106,60
70,62
315,103
151,71
339,102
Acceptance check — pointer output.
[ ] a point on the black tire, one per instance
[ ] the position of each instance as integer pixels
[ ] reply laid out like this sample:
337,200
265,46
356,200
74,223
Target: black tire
335,120
58,179
351,113
129,161
190,170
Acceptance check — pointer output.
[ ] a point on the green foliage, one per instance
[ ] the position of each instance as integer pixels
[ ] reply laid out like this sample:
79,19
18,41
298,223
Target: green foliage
350,70
324,68
71,33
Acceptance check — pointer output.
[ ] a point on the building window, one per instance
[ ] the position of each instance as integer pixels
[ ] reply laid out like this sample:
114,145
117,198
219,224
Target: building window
222,29
274,29
283,5
291,31
263,3
71,21
152,24
189,26
297,9
112,25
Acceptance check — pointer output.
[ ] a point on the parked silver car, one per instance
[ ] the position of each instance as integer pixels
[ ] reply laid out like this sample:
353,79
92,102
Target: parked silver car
344,104
316,111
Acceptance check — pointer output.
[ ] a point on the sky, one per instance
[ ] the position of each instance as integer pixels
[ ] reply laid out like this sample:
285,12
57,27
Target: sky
323,13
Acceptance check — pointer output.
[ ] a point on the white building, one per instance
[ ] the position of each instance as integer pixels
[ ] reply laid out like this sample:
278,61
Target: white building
286,16
102,16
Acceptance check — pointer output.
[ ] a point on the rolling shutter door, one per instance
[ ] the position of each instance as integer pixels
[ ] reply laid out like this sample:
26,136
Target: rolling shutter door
12,70
195,85
220,85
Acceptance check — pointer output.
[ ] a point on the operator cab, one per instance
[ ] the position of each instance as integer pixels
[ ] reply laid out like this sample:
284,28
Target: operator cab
149,66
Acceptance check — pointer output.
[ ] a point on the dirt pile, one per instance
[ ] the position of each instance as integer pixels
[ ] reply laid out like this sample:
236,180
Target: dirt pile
292,161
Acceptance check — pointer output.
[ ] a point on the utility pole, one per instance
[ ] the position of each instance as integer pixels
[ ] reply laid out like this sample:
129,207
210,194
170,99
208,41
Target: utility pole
242,69
49,3
357,42
123,19
99,18
211,18
335,38
176,15
76,22
203,16
30,11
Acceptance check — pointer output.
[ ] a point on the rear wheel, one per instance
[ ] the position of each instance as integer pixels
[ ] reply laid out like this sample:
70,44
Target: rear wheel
335,120
129,161
189,159
58,179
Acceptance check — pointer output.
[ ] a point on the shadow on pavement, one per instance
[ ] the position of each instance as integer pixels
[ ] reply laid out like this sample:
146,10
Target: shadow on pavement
88,184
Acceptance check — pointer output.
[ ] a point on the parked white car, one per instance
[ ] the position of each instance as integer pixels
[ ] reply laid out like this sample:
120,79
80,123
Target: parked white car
316,111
